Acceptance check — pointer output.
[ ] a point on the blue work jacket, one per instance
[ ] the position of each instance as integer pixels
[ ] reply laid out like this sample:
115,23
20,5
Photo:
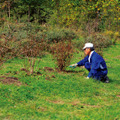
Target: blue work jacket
97,64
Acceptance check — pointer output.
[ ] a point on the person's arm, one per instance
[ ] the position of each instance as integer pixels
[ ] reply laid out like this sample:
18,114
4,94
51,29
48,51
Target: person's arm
83,61
80,63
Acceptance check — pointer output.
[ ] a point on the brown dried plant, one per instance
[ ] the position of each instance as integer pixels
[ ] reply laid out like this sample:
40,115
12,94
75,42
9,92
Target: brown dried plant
32,50
8,48
62,52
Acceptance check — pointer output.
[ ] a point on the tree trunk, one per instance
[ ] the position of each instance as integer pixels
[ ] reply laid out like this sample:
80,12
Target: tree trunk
9,4
29,14
9,12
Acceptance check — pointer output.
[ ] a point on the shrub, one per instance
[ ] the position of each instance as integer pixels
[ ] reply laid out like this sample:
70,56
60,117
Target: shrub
32,51
8,48
99,42
58,34
2,20
32,48
79,43
62,52
113,35
20,30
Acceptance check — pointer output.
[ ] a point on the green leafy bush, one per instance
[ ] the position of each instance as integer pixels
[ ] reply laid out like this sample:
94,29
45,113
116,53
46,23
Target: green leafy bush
100,42
59,34
113,35
21,30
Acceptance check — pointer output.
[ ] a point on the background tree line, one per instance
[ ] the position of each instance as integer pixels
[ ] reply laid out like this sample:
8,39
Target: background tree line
100,14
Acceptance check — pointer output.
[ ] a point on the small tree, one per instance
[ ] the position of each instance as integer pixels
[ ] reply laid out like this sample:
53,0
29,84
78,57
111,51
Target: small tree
62,52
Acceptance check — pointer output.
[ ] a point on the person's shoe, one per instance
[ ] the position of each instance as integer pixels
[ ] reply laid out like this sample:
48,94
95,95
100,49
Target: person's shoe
106,79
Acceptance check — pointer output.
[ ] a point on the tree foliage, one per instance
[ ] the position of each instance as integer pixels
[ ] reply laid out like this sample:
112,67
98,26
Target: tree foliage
80,13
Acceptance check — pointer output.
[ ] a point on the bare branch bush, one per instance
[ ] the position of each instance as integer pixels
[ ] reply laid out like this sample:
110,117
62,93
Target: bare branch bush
28,47
8,48
62,52
32,51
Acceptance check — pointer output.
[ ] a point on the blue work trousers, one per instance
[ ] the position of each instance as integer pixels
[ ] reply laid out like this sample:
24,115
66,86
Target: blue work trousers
99,74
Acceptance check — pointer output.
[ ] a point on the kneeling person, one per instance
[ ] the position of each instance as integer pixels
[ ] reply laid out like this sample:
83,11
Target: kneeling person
94,63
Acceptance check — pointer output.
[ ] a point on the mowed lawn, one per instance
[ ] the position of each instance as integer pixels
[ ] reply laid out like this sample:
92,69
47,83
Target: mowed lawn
52,95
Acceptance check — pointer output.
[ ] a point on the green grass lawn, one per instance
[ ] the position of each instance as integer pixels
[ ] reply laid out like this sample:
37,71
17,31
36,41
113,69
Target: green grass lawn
61,95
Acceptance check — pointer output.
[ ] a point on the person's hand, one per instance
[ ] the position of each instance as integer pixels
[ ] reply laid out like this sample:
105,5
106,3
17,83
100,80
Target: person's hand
73,65
87,77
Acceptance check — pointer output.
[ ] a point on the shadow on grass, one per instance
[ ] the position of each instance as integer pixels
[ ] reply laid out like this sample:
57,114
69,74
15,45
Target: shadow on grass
72,71
114,81
10,80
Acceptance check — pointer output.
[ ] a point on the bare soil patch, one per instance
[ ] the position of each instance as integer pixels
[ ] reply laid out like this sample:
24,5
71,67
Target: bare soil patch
118,57
74,103
77,102
28,72
10,80
118,95
56,101
49,77
49,69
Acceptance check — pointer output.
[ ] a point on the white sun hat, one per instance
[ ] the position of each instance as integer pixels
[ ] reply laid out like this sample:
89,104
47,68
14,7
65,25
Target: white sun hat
88,45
